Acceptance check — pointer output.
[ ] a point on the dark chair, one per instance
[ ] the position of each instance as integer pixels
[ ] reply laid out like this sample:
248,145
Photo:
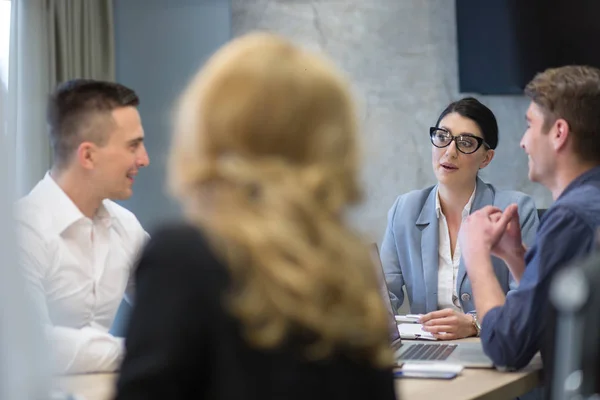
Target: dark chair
119,326
541,212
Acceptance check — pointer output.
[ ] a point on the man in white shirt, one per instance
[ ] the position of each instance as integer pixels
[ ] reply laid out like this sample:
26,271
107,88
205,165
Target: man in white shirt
78,248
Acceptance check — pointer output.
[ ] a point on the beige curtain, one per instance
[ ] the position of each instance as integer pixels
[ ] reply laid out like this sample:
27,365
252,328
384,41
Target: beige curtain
51,41
81,36
28,88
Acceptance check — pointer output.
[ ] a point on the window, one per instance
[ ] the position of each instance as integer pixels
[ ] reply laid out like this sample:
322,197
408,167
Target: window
4,39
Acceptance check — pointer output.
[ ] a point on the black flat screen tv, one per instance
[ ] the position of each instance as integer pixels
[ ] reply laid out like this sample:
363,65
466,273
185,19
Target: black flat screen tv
502,44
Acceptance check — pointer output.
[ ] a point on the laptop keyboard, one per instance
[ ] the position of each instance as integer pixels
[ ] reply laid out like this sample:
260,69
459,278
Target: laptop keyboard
429,351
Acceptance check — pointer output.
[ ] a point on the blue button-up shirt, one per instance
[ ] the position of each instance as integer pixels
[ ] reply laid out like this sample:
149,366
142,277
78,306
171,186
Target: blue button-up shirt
513,333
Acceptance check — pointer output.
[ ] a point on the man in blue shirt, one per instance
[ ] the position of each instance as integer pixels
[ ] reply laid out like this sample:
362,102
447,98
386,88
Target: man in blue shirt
563,144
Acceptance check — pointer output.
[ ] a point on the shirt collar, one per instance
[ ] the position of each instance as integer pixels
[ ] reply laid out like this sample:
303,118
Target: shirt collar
67,213
592,174
466,210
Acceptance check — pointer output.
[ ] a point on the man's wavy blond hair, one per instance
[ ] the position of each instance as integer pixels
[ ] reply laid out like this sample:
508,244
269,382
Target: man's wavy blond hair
265,162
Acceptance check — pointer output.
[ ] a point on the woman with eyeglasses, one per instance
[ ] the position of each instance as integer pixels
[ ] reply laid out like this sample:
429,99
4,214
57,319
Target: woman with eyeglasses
420,250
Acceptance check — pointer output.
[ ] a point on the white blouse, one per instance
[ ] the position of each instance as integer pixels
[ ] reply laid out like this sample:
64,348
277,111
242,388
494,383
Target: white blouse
448,264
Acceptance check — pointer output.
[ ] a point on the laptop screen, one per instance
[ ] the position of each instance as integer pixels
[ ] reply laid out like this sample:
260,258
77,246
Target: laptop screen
392,325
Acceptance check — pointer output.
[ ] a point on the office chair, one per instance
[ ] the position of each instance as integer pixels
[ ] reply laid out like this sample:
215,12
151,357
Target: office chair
540,212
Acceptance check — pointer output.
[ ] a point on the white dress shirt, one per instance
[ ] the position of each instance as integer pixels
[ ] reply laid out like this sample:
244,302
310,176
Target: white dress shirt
78,270
447,263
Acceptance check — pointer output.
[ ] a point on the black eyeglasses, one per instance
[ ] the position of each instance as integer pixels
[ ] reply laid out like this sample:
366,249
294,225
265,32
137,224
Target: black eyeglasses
465,143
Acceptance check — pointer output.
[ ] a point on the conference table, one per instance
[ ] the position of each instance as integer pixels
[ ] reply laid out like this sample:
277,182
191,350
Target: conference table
481,384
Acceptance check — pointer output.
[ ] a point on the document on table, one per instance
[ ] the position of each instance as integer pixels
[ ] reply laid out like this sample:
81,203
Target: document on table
414,331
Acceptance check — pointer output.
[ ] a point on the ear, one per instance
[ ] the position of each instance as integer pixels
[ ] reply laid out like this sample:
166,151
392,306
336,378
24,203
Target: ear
559,134
489,156
87,155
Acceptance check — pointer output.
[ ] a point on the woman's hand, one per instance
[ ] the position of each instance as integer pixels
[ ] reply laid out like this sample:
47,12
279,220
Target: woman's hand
448,324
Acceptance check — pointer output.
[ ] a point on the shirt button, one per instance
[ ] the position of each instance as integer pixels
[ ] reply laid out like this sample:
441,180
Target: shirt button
465,297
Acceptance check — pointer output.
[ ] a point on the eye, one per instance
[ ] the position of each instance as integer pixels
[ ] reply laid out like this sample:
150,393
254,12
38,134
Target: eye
442,136
467,142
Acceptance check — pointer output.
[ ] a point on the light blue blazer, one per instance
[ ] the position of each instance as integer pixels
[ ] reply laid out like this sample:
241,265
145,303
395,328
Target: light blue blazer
409,252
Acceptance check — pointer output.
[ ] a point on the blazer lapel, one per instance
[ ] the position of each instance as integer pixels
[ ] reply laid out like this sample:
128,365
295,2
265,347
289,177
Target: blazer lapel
428,223
484,196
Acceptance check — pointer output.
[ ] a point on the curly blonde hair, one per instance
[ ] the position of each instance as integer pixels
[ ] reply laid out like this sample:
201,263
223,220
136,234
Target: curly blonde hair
265,161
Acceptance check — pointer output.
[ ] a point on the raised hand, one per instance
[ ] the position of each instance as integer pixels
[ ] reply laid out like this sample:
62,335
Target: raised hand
510,243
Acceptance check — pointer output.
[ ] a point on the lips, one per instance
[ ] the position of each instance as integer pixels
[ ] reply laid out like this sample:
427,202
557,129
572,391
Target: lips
449,167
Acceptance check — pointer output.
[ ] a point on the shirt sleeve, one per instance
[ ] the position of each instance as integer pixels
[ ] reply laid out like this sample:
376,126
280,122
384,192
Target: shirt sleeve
391,262
72,350
513,333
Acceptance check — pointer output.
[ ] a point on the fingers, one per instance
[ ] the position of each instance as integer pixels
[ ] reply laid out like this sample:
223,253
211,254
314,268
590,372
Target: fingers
507,220
495,213
445,336
440,328
489,210
452,320
435,315
511,213
515,216
512,209
502,220
487,213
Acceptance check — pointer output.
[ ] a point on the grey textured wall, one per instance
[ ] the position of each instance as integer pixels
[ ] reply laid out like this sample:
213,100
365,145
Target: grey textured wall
401,57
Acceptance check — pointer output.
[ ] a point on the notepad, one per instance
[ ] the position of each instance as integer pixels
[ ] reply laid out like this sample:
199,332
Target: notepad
414,331
408,318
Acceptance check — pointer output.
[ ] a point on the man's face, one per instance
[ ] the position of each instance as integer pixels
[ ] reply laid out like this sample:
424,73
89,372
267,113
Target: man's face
119,160
536,143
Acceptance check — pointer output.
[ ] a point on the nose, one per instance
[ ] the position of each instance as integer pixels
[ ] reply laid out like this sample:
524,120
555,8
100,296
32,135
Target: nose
143,158
452,150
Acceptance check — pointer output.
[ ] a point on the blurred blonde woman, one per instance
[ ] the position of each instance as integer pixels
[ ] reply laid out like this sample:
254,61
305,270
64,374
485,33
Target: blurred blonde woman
265,292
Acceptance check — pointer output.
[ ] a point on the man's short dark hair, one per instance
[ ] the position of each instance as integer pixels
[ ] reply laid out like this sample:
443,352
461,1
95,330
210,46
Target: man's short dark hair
573,94
80,110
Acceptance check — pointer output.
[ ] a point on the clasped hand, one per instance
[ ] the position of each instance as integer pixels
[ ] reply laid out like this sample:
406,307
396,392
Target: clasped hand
489,231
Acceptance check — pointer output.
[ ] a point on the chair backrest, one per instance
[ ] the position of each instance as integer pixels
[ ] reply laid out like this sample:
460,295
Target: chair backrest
540,212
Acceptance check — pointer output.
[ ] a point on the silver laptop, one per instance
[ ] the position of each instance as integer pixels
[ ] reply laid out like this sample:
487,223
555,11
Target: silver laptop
469,355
